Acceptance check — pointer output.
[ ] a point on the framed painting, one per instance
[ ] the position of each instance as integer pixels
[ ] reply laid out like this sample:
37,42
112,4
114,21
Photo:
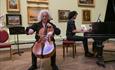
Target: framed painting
13,5
86,16
38,1
63,15
33,13
13,20
86,3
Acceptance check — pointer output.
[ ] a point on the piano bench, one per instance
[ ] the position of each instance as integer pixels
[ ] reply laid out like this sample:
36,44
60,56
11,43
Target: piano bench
67,44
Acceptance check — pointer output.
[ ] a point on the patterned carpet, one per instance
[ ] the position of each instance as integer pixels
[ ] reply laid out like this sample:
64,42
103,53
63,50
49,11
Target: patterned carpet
80,62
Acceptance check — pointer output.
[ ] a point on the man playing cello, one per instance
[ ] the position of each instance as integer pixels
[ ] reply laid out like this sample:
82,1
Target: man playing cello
44,18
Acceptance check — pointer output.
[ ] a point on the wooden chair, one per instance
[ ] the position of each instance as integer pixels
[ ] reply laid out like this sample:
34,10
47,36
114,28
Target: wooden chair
3,41
66,44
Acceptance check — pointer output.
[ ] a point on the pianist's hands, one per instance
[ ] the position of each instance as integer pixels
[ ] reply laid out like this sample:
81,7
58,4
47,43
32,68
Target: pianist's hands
84,29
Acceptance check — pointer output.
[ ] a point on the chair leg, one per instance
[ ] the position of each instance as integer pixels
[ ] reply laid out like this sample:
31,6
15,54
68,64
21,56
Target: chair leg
67,48
63,51
73,51
75,48
10,53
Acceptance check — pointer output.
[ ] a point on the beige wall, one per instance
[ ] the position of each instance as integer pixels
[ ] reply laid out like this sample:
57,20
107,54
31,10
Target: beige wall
54,6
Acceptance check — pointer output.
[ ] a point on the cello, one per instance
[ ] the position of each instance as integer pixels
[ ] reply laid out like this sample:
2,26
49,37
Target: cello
44,47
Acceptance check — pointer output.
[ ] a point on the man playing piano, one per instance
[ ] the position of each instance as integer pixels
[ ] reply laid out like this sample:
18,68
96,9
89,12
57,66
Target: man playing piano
72,30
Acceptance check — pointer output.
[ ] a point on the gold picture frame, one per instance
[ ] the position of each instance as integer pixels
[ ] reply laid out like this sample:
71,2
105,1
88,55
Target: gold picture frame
13,20
63,15
13,5
86,16
38,1
33,13
86,3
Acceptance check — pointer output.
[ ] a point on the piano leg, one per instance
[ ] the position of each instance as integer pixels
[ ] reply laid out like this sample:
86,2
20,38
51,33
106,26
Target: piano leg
99,53
94,48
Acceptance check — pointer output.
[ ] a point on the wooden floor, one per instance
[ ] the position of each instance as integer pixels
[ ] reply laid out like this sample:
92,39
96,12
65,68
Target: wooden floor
80,62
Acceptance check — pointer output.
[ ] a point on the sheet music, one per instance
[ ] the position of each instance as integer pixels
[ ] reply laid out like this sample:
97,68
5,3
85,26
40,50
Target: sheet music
84,28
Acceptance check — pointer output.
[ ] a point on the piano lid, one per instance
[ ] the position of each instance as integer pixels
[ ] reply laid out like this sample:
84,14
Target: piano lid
110,11
106,29
108,26
110,17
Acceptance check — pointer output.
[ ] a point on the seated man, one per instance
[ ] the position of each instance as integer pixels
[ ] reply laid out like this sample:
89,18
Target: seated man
44,18
72,30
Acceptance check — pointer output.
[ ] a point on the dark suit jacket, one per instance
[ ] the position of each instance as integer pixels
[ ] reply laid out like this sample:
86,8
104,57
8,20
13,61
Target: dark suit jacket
70,27
37,26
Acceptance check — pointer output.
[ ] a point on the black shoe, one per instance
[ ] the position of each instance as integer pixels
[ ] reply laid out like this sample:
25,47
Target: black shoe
54,67
89,54
100,62
32,68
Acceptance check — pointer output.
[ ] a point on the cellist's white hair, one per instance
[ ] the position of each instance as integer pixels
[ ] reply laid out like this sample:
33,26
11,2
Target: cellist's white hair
40,16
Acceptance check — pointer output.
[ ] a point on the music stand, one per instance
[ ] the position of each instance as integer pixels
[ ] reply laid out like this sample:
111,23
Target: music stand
16,31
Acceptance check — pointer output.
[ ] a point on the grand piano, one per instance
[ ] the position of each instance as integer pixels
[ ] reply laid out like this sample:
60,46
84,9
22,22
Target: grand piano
102,31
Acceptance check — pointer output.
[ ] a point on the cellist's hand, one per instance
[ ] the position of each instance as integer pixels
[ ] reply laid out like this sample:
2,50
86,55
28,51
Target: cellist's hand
50,28
49,24
31,31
